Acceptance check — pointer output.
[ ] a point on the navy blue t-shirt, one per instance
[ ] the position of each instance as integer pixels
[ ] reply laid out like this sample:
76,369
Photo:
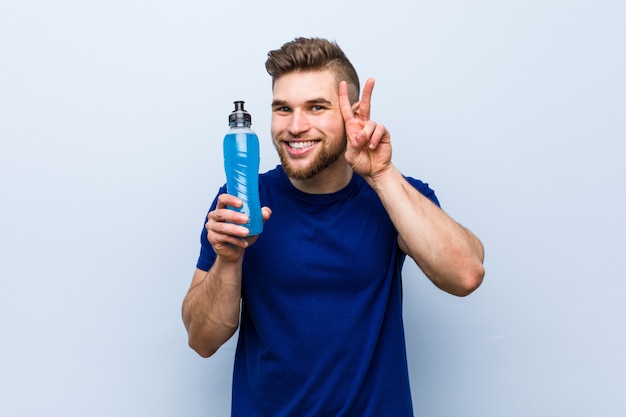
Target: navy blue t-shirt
321,330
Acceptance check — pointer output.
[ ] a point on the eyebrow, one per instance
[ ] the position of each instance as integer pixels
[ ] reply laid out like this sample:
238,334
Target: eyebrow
320,100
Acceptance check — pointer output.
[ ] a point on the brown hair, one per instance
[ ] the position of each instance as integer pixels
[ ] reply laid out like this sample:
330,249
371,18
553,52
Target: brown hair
313,54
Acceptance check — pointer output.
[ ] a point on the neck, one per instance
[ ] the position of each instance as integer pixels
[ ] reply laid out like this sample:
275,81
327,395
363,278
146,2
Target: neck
330,180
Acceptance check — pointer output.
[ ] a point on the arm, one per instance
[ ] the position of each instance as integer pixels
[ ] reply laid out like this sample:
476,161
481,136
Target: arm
211,307
449,254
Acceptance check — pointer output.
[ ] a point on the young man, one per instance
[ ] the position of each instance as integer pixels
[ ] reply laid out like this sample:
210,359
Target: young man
320,323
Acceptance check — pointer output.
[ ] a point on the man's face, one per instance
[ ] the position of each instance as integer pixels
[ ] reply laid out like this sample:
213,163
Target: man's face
307,126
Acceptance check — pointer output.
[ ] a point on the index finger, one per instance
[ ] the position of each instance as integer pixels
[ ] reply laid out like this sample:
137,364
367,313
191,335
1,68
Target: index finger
225,200
344,102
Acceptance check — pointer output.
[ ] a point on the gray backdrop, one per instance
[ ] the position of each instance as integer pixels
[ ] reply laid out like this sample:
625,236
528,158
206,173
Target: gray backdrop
111,120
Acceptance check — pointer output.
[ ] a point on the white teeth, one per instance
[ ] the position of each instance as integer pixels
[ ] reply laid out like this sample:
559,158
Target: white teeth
301,145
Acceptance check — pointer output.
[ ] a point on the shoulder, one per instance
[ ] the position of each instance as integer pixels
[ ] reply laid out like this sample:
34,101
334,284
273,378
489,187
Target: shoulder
423,188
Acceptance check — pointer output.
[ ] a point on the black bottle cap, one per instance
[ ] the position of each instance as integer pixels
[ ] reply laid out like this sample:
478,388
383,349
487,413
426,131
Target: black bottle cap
239,116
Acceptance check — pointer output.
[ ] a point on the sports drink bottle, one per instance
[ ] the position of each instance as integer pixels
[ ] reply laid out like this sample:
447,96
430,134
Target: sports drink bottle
241,163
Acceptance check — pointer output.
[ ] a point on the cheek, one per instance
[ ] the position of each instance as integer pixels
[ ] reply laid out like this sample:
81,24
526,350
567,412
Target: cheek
276,127
333,126
273,133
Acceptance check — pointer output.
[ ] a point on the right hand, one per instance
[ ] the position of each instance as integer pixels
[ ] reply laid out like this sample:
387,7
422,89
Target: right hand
225,233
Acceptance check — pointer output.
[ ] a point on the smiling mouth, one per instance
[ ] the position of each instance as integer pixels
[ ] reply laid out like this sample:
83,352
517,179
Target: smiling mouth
301,145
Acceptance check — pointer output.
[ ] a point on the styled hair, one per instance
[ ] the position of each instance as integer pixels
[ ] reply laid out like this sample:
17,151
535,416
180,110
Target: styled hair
313,54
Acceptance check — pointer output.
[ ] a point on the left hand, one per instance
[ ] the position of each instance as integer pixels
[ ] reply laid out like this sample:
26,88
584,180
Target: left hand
369,144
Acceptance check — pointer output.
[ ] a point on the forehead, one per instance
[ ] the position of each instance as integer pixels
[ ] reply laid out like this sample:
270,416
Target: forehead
306,85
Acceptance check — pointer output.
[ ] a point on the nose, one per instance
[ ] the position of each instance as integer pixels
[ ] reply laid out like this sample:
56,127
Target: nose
298,123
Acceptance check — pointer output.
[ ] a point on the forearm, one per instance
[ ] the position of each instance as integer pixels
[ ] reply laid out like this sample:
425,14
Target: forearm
211,308
449,254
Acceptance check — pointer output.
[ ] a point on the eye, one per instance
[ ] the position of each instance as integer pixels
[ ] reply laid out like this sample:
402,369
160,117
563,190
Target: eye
282,109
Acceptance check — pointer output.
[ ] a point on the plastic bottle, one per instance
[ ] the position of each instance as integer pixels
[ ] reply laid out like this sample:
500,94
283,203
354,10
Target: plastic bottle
241,163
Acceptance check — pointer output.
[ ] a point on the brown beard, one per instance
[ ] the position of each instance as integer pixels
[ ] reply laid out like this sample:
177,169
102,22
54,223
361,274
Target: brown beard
323,160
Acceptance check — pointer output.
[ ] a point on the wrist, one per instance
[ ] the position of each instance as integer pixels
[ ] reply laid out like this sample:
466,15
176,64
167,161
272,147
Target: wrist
383,178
